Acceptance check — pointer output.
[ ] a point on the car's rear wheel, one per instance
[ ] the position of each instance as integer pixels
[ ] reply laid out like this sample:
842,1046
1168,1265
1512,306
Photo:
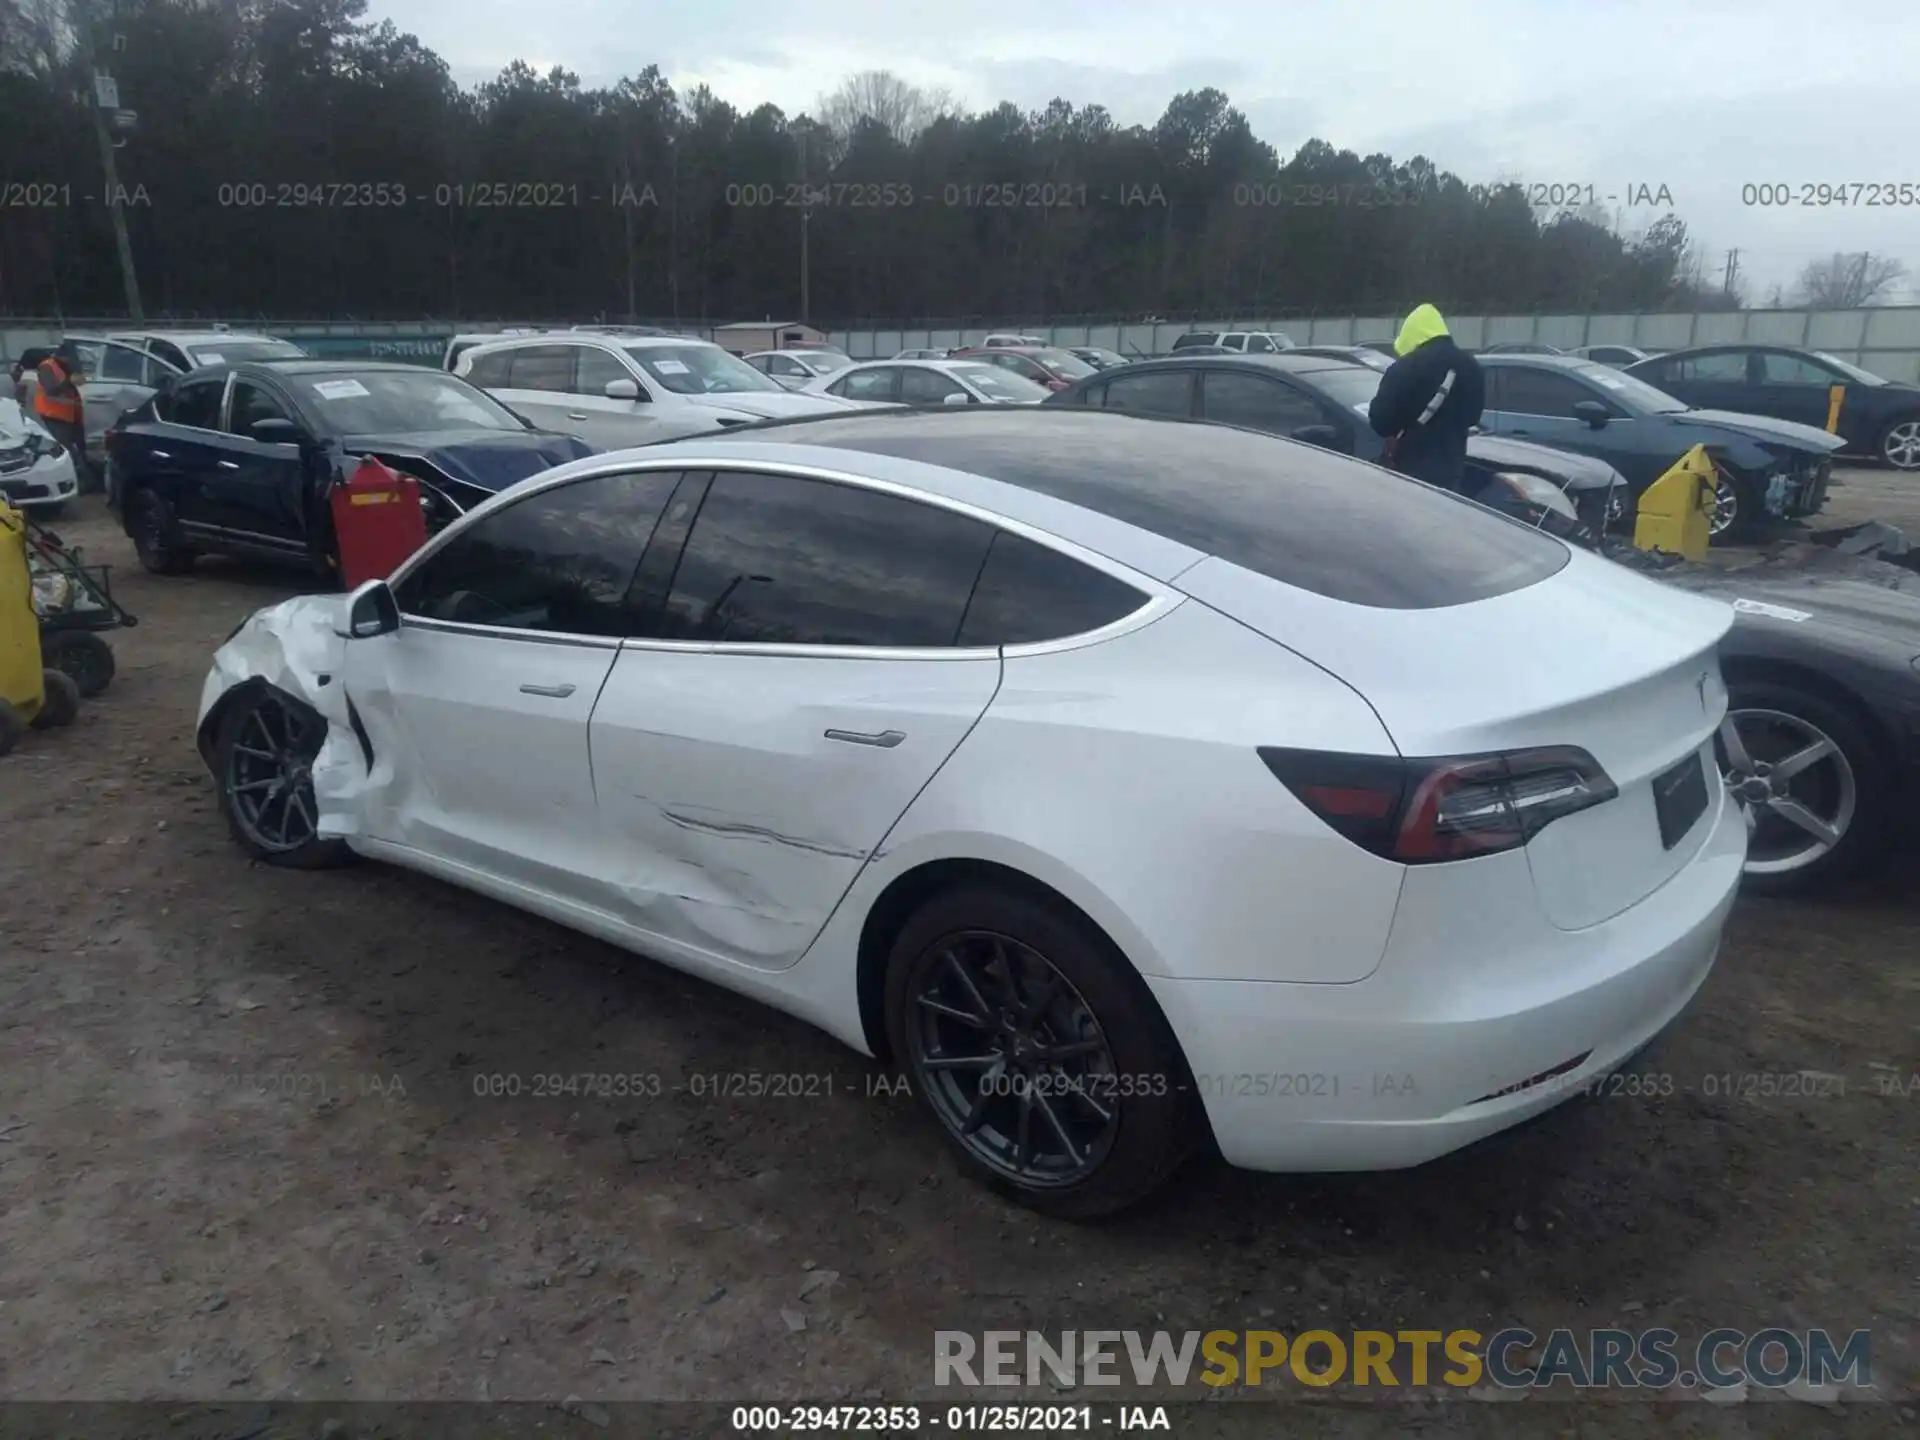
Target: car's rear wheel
83,656
1812,781
1900,446
1038,1052
151,524
264,760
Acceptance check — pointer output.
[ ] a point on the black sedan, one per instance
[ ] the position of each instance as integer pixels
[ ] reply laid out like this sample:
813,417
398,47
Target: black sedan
1878,417
1822,741
1764,467
1322,401
238,459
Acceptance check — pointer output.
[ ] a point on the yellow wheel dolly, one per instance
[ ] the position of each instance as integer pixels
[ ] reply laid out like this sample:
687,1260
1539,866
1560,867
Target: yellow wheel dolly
31,696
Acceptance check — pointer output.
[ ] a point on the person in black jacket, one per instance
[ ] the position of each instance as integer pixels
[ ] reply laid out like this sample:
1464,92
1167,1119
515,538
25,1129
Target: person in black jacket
1428,402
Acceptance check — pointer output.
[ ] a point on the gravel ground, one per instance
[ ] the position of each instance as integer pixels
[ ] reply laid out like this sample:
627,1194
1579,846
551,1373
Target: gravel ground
247,1150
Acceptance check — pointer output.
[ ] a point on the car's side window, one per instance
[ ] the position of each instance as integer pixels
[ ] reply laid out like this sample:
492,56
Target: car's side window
926,387
251,403
777,559
172,354
1260,345
1535,392
1729,365
1028,593
561,560
1779,369
869,385
542,367
490,372
121,362
1257,403
1162,392
196,404
595,369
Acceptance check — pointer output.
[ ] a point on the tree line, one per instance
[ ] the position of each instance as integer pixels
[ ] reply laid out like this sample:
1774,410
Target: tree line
292,159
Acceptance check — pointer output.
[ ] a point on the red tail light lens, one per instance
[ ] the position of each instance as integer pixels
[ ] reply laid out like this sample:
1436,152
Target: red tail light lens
1422,811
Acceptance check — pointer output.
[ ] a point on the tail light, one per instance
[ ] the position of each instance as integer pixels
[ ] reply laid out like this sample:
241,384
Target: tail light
1418,812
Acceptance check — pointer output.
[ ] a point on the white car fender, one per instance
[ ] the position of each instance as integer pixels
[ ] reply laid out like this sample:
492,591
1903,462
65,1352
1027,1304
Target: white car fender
299,647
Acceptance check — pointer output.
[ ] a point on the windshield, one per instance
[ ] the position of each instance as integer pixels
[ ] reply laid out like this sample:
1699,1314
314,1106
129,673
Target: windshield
700,370
1852,372
401,402
1061,365
1636,394
1002,385
232,352
822,362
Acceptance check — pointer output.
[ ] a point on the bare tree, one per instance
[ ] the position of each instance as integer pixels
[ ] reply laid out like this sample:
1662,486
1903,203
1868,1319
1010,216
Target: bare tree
35,35
901,107
1847,282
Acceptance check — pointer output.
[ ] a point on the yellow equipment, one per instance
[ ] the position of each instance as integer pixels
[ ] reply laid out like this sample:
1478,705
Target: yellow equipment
30,695
1675,513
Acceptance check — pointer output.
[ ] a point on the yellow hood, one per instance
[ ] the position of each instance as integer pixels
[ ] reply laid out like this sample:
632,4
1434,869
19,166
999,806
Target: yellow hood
1422,325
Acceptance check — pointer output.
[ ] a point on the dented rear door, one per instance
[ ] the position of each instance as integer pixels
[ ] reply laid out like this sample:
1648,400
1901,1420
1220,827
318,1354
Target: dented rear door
740,793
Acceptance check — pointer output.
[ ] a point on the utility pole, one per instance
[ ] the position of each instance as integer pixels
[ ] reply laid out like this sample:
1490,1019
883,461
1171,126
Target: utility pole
105,97
1733,273
806,218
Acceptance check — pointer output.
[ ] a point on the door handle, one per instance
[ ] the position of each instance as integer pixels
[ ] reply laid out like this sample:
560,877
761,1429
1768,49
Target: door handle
576,414
162,454
885,739
229,464
552,692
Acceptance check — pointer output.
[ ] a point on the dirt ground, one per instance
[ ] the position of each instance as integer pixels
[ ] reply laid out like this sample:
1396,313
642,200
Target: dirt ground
247,1150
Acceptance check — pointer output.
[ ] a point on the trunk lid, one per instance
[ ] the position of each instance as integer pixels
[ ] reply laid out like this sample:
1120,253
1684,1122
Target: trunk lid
1594,656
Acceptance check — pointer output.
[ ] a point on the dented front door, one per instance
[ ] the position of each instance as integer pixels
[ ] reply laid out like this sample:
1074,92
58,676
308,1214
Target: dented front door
740,794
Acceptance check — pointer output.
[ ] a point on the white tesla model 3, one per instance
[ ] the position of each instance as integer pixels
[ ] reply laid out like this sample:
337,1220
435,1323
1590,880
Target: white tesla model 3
1129,783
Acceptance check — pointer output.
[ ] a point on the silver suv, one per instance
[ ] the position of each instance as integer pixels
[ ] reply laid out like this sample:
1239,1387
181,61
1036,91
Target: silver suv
617,391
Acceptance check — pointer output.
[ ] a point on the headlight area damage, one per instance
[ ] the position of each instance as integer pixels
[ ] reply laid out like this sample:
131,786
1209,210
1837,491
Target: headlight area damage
296,648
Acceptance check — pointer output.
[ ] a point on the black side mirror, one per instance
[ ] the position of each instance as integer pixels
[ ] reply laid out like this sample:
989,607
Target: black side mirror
372,611
276,432
1322,435
1593,412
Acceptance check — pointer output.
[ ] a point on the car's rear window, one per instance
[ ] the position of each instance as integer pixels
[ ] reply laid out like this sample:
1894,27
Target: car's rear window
1293,512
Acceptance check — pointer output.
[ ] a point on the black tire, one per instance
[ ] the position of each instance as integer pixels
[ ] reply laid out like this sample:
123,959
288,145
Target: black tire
155,540
1155,1124
1739,494
1897,443
83,656
13,725
261,715
1862,761
60,705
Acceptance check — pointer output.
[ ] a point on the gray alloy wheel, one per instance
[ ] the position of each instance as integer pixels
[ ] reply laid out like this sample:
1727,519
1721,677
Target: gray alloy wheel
1726,504
1794,783
1900,446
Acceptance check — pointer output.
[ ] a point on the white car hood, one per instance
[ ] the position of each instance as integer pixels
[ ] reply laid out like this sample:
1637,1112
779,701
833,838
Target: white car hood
16,426
298,646
769,404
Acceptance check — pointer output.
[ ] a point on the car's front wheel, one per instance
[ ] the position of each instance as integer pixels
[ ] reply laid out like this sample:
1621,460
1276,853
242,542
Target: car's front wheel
1900,446
1038,1051
1811,780
1736,506
263,759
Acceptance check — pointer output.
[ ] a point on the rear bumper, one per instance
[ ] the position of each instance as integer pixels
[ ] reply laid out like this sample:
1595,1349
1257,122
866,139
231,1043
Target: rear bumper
1398,1069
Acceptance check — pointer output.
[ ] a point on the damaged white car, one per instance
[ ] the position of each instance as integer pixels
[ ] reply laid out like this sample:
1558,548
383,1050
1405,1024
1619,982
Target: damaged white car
36,472
1129,783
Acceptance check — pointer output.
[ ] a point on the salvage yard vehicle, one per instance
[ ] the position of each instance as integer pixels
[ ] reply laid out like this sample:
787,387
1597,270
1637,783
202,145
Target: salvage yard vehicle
1324,402
619,391
238,460
1044,365
797,369
1098,356
1766,467
1877,417
36,472
931,382
1352,354
1244,342
1127,784
1618,356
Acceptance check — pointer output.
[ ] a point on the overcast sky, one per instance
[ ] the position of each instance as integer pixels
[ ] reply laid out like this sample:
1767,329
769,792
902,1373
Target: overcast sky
1701,96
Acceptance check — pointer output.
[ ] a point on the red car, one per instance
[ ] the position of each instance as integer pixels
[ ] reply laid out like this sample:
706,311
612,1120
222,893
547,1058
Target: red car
1043,364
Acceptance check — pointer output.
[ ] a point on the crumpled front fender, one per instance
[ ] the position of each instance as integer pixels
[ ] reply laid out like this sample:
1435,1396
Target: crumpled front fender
297,647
